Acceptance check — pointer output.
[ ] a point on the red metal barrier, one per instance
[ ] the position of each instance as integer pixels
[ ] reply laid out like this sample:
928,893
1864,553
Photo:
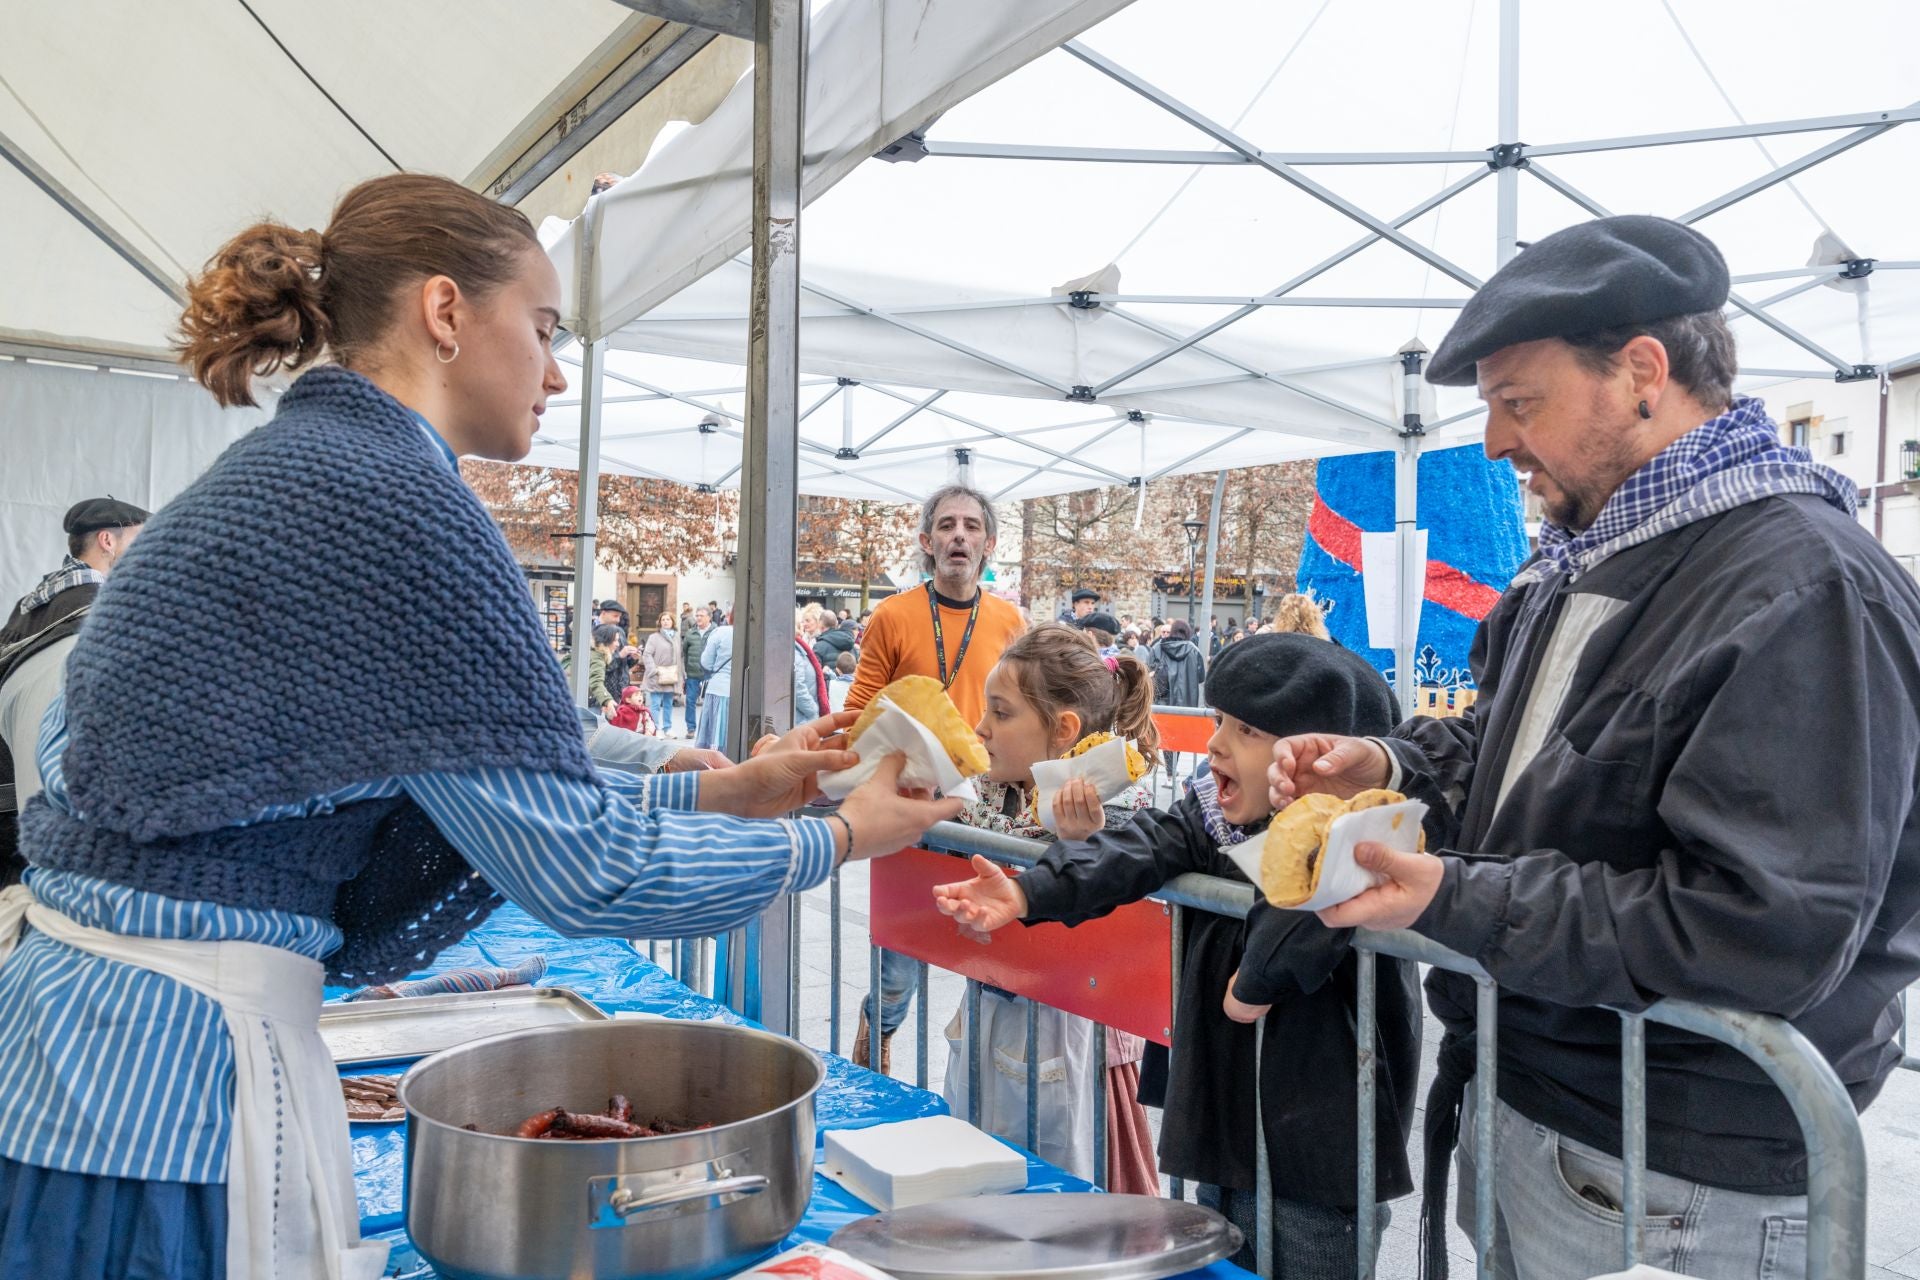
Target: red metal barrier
1116,970
1183,733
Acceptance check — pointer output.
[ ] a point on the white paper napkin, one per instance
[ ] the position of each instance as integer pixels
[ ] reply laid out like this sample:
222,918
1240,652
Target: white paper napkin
892,732
909,1162
1395,825
1105,766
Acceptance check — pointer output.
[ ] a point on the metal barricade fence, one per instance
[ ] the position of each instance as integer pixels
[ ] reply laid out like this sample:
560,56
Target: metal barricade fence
1836,1152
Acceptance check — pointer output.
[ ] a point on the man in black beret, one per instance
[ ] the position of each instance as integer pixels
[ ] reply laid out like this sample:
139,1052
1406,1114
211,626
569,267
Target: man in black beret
1079,605
1690,773
37,635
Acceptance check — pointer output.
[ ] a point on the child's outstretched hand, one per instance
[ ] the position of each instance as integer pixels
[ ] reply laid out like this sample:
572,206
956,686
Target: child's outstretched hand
987,902
1076,810
1240,1010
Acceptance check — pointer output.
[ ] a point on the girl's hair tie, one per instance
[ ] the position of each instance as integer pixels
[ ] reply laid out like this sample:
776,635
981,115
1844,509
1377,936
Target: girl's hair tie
1113,664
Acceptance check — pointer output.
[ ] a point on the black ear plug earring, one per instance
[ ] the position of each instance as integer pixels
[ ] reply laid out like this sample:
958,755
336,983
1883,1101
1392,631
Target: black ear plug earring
1644,411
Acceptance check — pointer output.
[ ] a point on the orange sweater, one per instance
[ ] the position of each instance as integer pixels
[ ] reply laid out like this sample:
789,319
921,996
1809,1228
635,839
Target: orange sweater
899,642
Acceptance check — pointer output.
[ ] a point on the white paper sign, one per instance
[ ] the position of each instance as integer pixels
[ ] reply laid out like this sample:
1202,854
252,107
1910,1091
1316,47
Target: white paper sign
1380,580
893,732
1395,825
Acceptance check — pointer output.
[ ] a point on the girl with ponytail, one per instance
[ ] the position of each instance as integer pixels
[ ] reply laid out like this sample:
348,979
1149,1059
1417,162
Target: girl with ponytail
194,877
1051,689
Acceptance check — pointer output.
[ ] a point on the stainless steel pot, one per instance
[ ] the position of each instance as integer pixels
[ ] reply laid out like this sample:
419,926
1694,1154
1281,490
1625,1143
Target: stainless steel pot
482,1206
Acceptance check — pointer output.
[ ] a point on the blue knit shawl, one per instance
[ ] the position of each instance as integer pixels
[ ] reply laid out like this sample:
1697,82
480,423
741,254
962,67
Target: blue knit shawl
327,605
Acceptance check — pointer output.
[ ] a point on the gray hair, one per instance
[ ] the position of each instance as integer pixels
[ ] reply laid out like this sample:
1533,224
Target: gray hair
1700,353
931,509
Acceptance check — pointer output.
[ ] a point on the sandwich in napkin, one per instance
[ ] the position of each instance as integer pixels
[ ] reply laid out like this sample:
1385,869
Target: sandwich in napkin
1304,859
1108,761
913,717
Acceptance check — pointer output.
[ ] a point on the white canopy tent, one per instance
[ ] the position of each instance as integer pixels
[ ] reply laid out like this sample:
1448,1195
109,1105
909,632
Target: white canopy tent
1114,263
1069,278
1191,223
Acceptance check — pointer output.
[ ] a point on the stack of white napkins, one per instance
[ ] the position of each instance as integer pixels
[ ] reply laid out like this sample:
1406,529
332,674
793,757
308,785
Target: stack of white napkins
893,1166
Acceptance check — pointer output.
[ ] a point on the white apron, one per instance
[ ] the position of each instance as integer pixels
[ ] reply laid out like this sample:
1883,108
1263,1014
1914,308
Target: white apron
271,1000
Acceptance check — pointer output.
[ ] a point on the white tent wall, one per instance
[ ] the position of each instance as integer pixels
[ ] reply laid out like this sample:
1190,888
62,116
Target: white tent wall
71,433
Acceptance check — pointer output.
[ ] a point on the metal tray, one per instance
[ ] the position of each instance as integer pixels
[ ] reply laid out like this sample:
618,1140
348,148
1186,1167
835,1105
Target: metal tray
415,1026
1074,1236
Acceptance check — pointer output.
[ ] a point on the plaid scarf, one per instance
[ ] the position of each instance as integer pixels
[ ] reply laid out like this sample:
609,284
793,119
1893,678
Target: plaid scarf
71,573
1725,463
1225,834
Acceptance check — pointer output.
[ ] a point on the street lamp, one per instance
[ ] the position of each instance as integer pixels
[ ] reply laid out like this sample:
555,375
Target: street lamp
1193,524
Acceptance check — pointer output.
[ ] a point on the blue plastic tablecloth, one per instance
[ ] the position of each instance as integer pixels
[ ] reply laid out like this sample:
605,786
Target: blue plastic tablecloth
616,978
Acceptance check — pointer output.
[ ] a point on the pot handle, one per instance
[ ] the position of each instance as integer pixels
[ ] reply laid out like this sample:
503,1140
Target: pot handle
627,1203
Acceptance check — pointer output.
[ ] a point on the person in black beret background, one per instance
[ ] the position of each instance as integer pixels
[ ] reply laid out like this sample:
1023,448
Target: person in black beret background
1690,774
1283,964
34,644
40,630
1105,630
1079,605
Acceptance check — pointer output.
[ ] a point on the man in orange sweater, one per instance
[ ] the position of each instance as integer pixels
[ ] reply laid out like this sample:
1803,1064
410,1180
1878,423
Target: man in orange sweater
950,629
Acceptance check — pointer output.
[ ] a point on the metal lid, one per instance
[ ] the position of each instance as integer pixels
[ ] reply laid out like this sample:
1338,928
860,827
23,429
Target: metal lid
1042,1237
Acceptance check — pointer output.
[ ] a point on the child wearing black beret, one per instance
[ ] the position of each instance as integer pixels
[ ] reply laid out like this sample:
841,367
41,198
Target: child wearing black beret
1284,964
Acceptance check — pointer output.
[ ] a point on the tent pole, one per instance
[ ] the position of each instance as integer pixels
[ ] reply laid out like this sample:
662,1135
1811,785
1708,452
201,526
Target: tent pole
1406,505
763,624
593,356
1205,638
1507,190
1410,573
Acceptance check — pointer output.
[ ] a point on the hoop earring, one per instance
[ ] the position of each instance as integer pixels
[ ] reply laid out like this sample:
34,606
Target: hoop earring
1644,411
456,355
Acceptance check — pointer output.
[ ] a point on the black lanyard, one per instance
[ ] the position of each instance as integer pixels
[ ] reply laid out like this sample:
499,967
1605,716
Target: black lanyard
939,641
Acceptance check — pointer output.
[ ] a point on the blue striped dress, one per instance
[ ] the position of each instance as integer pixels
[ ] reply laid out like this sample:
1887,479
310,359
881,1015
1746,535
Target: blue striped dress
108,1069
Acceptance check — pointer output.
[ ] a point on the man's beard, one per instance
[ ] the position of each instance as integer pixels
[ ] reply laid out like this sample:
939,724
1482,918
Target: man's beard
1579,505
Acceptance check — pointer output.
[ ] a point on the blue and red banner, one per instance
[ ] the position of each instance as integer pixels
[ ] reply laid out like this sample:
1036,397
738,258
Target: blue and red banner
1476,539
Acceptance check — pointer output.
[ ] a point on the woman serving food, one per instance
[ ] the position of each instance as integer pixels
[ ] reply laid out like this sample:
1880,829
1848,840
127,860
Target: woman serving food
166,1104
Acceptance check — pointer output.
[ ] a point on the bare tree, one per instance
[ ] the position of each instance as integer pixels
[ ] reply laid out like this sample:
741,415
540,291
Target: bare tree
859,537
644,524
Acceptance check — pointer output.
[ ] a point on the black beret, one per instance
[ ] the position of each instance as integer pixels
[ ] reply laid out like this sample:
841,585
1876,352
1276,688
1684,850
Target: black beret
1084,594
1099,622
1604,274
102,513
1282,683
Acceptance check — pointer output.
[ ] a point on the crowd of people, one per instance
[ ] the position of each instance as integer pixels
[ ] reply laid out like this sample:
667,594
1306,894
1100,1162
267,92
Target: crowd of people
1690,773
685,663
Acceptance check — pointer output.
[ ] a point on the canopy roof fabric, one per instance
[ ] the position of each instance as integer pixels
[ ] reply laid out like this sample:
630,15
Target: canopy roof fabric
163,128
1229,230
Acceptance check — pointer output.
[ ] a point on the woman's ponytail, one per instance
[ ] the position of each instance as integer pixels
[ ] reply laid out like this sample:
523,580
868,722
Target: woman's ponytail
257,308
